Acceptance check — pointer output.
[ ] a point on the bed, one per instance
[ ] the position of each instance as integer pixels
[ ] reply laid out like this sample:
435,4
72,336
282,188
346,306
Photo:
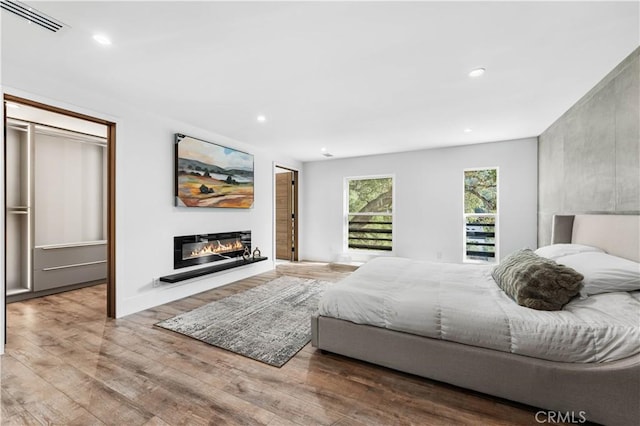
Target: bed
603,384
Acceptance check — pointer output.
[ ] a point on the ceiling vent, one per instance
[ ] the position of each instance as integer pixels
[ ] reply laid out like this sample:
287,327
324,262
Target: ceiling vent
32,15
326,154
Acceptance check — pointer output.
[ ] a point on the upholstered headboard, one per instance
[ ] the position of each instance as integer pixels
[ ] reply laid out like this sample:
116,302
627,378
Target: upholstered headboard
616,234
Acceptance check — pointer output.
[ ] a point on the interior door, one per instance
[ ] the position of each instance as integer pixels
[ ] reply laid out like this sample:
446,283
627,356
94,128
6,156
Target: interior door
284,216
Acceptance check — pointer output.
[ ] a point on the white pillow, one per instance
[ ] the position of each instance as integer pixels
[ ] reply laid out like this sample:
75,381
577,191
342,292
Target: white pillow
558,250
604,273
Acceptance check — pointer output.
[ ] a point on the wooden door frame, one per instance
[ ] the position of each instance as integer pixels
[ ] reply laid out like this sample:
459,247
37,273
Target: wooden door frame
294,206
111,189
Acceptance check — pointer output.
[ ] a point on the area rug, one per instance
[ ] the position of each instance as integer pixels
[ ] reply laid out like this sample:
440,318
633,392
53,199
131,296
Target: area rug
269,323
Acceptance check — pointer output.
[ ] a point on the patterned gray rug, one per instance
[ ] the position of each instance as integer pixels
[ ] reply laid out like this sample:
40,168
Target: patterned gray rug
269,323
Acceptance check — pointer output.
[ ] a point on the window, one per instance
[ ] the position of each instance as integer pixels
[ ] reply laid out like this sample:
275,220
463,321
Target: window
480,215
369,213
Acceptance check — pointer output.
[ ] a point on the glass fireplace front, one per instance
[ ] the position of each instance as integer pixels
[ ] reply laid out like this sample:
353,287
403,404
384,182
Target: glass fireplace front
204,248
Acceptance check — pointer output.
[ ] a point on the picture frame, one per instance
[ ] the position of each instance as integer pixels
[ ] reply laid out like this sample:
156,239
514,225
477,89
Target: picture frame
210,175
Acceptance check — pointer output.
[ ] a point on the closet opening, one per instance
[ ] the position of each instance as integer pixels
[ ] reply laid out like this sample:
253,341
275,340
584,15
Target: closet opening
59,204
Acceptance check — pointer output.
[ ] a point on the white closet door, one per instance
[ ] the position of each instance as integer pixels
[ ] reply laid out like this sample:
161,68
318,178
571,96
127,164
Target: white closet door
69,190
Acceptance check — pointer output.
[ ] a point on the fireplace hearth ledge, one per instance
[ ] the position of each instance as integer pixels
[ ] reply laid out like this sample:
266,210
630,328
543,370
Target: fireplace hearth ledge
183,276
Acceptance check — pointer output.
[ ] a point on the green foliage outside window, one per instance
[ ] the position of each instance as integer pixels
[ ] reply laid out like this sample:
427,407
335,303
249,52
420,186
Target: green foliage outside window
370,195
370,220
481,191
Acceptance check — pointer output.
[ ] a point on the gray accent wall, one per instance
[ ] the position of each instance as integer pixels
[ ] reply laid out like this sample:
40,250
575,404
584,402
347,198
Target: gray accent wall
589,159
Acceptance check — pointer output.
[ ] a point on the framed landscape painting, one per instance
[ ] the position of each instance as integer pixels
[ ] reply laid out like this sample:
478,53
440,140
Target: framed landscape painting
211,175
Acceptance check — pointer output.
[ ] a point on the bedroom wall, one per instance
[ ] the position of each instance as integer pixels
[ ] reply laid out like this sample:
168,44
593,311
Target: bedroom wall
146,219
428,221
589,159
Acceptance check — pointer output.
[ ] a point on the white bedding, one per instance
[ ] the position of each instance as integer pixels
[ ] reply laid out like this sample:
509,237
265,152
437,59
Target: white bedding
463,304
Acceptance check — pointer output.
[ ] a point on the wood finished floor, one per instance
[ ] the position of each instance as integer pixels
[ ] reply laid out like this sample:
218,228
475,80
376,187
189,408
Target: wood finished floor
65,363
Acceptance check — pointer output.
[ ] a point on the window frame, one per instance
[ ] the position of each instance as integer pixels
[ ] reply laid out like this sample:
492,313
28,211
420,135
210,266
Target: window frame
495,215
346,213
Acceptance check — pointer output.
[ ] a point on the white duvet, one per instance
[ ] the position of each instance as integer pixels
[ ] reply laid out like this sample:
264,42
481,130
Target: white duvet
463,304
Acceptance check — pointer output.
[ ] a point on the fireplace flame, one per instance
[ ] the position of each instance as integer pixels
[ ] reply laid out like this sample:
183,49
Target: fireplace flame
216,248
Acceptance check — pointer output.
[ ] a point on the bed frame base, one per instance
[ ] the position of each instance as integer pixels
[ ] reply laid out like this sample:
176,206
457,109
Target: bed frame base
607,393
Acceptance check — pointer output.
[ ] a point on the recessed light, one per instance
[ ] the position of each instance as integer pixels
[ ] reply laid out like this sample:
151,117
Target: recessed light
102,39
467,130
11,105
477,72
262,119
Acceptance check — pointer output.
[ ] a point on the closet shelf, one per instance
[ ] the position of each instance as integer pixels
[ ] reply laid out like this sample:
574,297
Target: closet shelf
77,244
14,291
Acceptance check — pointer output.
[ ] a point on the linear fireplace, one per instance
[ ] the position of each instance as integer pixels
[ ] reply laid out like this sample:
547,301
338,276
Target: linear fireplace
191,250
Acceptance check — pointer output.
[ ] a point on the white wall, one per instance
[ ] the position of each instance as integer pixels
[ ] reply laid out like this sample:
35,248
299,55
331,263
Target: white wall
69,189
428,200
146,219
150,221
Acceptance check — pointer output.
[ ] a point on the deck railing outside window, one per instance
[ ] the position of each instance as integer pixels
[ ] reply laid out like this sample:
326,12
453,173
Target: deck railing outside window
370,232
480,238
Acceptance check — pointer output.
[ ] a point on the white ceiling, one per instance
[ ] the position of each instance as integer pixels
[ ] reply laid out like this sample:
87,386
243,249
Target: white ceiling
356,78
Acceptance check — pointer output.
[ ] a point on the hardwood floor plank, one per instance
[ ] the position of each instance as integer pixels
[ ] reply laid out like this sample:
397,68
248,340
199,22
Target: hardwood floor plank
66,363
195,391
43,401
156,421
13,412
281,403
85,390
20,419
279,421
